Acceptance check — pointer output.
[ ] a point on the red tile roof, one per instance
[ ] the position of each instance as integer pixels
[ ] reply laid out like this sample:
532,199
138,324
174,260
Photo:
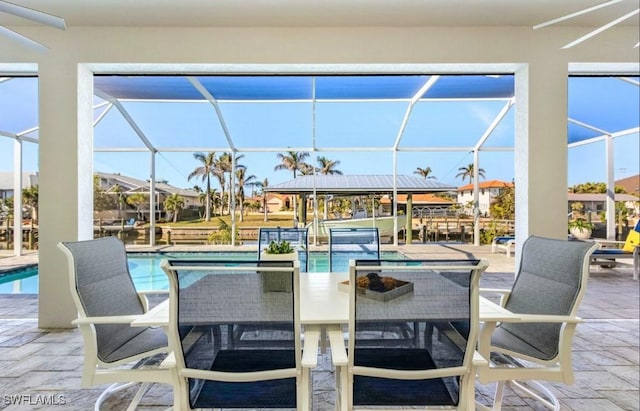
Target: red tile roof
487,184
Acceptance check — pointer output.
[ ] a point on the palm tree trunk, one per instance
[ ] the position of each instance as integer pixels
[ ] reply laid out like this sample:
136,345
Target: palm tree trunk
207,206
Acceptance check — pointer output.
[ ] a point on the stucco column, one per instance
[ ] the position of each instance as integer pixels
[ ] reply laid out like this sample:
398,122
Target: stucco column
541,150
60,180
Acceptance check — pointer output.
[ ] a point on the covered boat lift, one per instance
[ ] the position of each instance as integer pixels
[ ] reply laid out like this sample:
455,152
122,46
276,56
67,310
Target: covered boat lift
367,185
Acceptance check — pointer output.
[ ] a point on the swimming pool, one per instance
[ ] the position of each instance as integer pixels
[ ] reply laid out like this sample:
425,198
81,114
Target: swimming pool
147,274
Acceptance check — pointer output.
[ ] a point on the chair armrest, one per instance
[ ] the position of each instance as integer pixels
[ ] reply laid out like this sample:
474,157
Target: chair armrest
169,361
147,292
111,319
144,299
479,360
502,291
310,349
338,350
544,318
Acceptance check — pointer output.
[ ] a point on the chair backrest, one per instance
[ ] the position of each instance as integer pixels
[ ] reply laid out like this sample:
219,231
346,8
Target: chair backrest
101,285
552,279
352,243
419,299
209,300
297,237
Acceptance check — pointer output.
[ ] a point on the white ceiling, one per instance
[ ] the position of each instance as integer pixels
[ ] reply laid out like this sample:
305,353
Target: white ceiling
405,13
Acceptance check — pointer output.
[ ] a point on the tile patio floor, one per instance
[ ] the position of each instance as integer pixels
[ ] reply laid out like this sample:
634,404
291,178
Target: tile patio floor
38,363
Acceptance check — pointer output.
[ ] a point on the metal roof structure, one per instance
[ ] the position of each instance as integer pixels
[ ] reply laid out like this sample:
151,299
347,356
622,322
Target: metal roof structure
359,184
598,106
307,106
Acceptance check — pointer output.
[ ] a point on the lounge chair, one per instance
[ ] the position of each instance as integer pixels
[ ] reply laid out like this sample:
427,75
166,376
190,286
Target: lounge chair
607,253
506,243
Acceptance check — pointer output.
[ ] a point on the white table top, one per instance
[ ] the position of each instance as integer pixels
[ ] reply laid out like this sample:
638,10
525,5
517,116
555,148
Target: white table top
322,303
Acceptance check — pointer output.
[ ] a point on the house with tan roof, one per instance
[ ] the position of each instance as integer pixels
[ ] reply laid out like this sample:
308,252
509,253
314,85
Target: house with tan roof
131,185
630,184
275,202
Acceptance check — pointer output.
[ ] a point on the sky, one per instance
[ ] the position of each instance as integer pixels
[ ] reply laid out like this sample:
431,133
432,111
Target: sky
337,125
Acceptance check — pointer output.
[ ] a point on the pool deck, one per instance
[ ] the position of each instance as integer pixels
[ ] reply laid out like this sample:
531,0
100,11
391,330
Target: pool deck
40,362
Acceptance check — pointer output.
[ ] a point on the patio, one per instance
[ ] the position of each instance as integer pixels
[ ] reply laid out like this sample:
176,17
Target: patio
44,365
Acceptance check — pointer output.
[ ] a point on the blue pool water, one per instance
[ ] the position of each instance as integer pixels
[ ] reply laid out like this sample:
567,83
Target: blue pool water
147,274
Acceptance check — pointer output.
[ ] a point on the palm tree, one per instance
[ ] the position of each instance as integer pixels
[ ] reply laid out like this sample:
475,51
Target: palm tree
424,172
242,180
224,166
306,169
263,185
327,166
468,172
206,170
30,199
120,198
174,203
292,161
138,200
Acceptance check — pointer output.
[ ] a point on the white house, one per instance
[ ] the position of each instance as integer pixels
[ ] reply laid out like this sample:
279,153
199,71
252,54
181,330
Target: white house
29,179
488,191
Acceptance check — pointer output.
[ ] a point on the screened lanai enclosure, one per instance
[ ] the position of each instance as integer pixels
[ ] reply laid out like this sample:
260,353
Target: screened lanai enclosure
149,127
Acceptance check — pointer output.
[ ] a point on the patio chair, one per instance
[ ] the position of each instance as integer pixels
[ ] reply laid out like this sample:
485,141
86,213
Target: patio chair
297,237
107,301
352,243
607,253
431,372
506,243
547,291
208,300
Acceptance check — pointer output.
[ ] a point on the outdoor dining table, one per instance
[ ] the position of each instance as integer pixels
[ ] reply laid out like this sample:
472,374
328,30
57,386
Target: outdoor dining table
322,304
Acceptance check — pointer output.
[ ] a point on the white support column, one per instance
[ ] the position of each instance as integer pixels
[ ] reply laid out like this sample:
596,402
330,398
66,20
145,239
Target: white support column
611,203
232,196
541,150
476,197
17,197
394,203
65,180
152,200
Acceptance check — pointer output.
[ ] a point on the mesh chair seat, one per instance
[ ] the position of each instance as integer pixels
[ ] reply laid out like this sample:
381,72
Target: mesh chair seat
374,391
215,299
264,394
420,370
147,340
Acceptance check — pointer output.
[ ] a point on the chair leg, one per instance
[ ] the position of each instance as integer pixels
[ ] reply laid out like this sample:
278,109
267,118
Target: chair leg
138,397
533,388
497,399
549,400
114,388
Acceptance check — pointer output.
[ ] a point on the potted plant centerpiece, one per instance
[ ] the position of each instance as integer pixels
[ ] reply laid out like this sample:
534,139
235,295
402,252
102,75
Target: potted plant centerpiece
580,228
277,251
